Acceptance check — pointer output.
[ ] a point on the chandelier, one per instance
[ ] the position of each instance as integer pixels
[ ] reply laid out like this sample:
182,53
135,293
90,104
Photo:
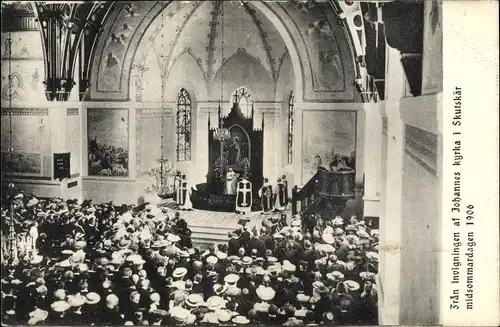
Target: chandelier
221,134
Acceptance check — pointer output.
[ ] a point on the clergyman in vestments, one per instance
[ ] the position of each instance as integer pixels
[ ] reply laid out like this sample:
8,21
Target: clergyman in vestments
266,195
181,191
230,182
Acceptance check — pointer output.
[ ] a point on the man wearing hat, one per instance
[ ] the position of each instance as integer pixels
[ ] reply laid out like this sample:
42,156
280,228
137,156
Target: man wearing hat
343,304
231,281
256,243
234,242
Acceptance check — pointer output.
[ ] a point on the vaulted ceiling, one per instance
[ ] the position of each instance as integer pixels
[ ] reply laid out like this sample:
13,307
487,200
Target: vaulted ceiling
311,32
212,30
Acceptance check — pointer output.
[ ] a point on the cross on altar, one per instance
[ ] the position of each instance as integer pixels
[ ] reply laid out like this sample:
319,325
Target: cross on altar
245,189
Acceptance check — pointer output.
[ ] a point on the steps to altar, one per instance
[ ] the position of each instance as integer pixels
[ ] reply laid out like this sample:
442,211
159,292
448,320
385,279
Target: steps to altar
209,227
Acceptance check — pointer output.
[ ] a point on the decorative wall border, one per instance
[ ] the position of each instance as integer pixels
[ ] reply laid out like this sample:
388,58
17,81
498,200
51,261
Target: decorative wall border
72,111
25,111
422,146
145,112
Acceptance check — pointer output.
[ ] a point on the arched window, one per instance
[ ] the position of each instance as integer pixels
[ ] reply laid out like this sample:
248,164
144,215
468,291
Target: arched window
244,99
291,100
183,126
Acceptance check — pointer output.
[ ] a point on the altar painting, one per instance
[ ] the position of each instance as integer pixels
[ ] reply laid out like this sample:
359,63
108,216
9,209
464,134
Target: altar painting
237,149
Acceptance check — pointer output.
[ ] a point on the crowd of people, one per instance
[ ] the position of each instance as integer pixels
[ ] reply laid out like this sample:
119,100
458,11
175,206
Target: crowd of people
136,265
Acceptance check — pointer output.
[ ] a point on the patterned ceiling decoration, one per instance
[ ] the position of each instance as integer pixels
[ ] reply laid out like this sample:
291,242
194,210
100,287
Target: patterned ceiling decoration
175,29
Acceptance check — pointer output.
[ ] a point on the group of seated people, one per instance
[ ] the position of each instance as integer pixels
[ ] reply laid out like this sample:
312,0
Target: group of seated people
136,265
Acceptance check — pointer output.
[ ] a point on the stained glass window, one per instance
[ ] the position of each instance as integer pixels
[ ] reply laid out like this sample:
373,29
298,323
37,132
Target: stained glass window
290,126
244,99
183,126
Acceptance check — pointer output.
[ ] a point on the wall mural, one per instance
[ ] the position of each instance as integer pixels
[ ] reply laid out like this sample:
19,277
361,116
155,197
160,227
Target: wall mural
24,45
334,133
26,81
107,142
22,162
326,62
117,44
323,45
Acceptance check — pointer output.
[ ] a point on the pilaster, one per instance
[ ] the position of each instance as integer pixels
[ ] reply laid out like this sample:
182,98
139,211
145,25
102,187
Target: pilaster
390,223
372,159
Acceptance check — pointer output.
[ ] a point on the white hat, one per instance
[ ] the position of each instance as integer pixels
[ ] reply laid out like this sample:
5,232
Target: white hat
246,261
372,256
37,259
173,238
363,234
179,272
265,293
338,221
302,297
212,260
194,300
352,285
37,316
231,278
221,255
214,302
328,238
60,306
92,298
241,320
223,315
287,266
76,300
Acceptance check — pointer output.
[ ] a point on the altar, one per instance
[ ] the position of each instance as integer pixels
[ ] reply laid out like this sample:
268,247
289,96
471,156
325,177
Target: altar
235,152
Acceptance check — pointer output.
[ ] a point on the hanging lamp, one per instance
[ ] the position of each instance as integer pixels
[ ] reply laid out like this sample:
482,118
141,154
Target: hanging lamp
221,134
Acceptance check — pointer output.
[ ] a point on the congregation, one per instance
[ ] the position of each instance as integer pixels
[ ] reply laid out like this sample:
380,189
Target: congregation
101,264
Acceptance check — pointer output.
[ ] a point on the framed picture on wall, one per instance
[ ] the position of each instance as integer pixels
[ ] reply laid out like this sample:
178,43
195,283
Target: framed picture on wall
108,135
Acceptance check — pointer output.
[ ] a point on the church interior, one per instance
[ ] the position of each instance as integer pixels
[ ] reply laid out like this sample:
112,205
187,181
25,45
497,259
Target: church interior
335,104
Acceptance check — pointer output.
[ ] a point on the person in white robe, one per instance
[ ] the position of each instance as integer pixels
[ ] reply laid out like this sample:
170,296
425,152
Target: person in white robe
33,233
277,203
230,182
188,205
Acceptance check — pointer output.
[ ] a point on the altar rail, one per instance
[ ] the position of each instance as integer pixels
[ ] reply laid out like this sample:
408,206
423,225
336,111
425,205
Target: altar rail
335,186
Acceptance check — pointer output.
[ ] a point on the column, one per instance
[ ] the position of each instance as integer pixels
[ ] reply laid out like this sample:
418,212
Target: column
297,145
372,159
132,143
390,224
277,138
57,125
269,169
360,151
